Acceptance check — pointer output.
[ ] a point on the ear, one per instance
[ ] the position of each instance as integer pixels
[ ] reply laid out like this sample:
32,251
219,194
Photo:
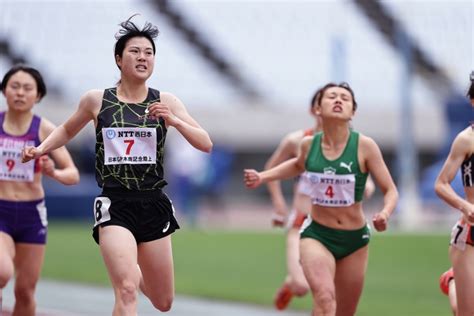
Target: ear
118,61
353,112
316,110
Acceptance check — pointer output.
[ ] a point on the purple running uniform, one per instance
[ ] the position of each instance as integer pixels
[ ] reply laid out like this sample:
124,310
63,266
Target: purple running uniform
25,222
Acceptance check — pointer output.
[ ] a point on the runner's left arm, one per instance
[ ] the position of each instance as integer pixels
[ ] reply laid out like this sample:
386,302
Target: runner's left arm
173,111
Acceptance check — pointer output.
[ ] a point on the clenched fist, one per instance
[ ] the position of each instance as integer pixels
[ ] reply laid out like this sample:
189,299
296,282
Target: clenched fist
380,221
29,153
251,178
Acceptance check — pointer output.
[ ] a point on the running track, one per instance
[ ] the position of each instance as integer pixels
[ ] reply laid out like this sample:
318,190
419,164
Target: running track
65,299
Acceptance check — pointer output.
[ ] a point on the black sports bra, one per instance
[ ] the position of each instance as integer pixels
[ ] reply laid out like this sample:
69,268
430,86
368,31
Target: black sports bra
467,171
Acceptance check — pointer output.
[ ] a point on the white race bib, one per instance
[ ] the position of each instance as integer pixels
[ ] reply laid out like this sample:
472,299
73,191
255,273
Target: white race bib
11,167
129,145
334,190
460,234
304,184
101,210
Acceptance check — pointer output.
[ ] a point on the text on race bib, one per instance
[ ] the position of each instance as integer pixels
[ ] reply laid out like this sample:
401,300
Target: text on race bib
101,210
329,189
11,167
129,145
460,234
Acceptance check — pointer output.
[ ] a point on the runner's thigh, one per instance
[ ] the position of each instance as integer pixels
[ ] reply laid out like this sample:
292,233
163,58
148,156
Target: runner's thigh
156,263
119,251
350,274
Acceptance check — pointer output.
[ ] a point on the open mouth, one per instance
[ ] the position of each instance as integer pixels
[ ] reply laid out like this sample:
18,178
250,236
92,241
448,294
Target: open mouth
337,108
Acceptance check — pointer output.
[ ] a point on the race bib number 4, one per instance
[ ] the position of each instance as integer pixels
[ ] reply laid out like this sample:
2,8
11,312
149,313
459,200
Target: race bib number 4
330,189
11,167
129,145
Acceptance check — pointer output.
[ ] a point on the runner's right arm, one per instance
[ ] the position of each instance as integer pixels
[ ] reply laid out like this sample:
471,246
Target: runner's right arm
288,169
87,110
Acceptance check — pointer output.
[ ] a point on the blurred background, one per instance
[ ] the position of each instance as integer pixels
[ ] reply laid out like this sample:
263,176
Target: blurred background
246,70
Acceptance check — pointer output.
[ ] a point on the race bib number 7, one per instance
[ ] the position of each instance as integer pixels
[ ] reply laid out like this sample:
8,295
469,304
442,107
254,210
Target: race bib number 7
460,235
129,145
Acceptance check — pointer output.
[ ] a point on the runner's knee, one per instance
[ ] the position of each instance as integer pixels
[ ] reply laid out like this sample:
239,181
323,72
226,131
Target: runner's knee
128,292
24,294
325,298
162,302
6,270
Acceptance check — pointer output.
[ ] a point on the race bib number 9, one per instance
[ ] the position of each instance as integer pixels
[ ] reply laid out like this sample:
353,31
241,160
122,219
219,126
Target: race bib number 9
11,167
330,189
129,145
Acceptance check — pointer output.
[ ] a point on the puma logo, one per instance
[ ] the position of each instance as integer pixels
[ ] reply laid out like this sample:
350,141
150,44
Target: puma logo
347,166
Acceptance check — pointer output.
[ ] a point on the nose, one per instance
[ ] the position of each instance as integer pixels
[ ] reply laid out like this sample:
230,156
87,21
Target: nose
20,91
141,56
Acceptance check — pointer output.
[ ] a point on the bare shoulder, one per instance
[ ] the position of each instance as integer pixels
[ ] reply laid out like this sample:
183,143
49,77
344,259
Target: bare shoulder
290,143
304,148
464,141
295,137
368,147
367,143
169,98
306,142
92,97
91,102
46,126
466,136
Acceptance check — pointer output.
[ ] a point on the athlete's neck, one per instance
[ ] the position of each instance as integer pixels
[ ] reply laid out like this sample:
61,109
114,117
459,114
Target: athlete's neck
131,92
318,127
335,135
17,123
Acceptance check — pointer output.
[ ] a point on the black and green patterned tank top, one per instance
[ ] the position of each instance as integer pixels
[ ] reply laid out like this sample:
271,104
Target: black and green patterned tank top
126,154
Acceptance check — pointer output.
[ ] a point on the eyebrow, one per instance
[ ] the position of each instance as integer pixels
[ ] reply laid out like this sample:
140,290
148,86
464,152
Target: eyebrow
146,48
344,94
21,84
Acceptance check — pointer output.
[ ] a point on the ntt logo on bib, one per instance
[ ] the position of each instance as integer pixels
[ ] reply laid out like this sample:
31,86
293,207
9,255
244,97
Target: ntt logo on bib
110,134
314,178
